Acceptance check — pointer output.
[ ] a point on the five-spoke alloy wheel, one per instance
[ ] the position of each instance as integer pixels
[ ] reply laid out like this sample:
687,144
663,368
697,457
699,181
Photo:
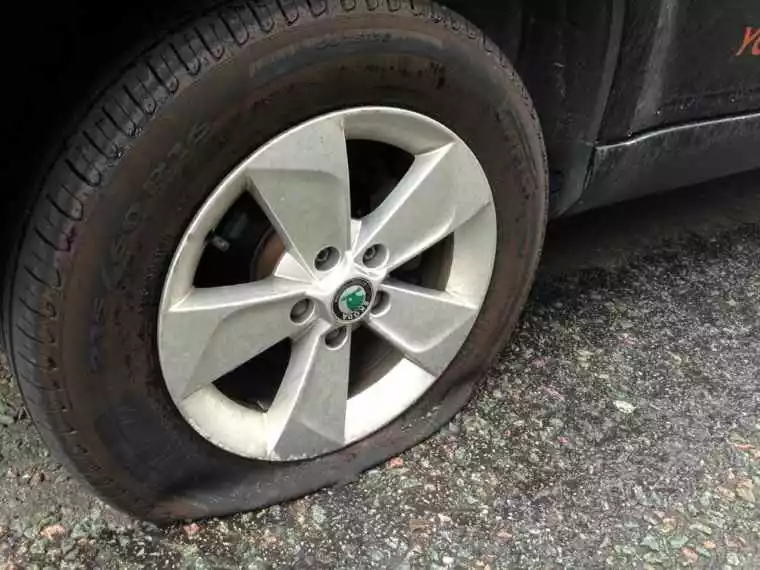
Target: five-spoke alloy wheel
334,275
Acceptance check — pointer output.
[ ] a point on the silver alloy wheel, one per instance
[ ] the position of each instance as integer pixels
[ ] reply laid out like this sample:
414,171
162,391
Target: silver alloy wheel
333,277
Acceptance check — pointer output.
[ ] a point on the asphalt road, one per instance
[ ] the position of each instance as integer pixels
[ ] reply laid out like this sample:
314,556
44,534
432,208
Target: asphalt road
621,428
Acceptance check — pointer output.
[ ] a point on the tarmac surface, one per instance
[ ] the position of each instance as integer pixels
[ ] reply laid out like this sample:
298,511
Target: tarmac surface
619,429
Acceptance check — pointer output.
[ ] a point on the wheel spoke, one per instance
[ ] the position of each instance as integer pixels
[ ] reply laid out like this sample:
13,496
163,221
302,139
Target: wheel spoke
213,331
308,415
427,326
301,182
442,190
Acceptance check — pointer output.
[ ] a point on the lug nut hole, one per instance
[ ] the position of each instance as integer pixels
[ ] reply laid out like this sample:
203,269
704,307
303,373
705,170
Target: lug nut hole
302,311
336,338
381,304
375,255
326,259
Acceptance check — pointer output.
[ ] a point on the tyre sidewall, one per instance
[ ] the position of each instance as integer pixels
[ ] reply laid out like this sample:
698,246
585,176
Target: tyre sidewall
127,420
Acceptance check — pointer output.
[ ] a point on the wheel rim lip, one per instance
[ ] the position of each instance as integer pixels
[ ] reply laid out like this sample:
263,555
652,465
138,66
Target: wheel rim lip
231,425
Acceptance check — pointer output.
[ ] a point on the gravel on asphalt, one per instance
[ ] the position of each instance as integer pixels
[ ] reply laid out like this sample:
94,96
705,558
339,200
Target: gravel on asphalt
620,429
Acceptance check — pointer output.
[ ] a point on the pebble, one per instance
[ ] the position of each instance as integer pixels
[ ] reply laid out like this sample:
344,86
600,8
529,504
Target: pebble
318,514
701,528
625,407
53,531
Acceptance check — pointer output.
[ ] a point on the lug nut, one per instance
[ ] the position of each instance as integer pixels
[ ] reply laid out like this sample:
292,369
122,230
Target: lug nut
326,259
375,255
370,254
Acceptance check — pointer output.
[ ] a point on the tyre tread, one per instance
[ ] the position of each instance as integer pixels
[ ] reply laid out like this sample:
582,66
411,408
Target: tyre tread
75,179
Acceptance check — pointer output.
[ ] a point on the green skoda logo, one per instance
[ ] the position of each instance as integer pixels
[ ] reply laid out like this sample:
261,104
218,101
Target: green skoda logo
352,300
